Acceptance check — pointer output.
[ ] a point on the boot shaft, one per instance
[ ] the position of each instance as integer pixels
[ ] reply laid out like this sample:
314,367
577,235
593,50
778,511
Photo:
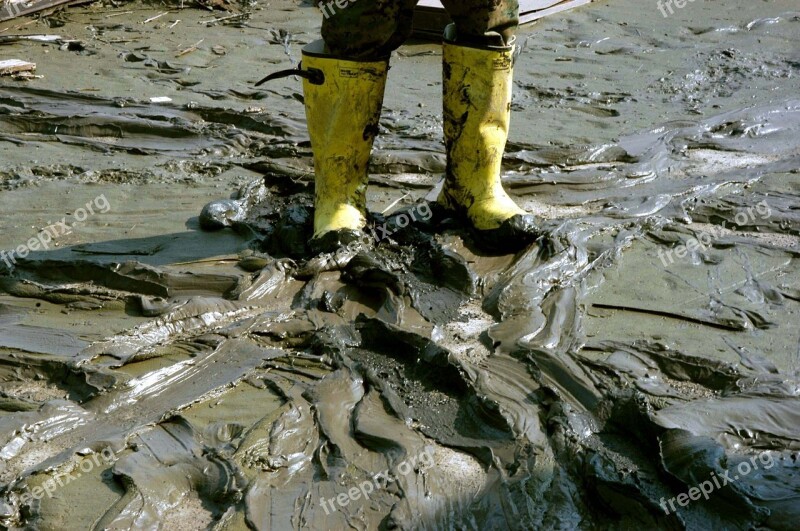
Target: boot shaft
343,101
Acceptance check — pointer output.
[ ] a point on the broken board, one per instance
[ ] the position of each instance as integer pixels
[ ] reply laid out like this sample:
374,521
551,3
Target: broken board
430,17
16,8
15,66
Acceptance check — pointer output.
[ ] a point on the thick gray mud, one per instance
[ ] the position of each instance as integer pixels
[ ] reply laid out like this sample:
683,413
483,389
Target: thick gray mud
642,349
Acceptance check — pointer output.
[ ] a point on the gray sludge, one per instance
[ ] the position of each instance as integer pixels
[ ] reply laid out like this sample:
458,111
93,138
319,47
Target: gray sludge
479,369
646,346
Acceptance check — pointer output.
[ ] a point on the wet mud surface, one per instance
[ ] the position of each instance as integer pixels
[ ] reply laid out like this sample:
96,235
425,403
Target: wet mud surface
646,345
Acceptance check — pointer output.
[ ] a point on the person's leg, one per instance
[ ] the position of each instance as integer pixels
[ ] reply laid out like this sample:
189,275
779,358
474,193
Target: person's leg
477,82
366,29
343,96
482,23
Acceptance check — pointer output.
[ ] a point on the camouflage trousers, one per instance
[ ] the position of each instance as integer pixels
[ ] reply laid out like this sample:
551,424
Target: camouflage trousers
372,29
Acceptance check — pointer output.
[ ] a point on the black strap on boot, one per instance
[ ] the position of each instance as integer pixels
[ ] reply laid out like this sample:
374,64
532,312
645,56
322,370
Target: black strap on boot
314,75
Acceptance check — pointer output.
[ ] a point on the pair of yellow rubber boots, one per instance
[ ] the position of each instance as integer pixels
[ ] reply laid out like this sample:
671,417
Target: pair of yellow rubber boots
343,101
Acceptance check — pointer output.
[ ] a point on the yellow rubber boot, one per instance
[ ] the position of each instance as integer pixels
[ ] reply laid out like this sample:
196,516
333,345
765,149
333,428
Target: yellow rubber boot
343,101
477,108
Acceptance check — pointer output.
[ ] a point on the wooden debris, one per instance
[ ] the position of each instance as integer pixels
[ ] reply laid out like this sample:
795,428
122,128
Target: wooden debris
22,76
190,49
223,5
112,15
151,19
551,9
7,39
222,19
10,9
15,66
430,17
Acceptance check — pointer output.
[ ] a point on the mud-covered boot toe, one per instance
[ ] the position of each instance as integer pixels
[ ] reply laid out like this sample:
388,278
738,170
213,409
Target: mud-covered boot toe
514,234
332,241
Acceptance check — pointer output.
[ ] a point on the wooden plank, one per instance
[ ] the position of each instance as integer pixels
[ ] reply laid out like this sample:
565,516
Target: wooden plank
17,8
524,5
15,66
430,17
6,39
530,16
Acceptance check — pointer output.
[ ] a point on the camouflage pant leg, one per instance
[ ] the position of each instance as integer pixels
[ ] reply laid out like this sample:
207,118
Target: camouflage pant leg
483,22
371,29
366,29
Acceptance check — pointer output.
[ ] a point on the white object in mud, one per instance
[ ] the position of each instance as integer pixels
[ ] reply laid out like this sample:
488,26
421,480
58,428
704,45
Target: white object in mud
15,66
160,99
